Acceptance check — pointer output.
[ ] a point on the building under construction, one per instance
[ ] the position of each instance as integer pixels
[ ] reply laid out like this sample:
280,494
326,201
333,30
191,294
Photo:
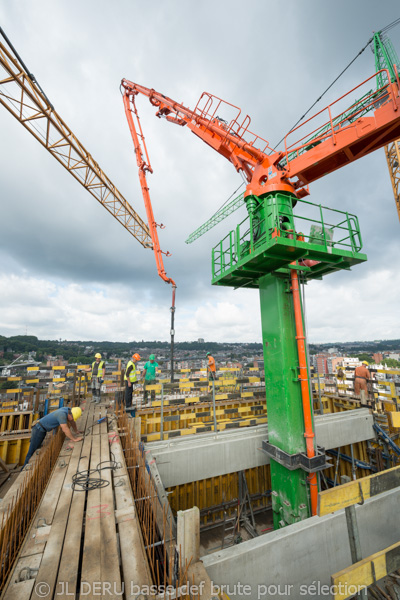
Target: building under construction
259,483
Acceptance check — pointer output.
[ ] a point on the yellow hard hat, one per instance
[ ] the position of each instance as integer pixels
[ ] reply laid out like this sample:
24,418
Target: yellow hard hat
76,412
364,362
98,355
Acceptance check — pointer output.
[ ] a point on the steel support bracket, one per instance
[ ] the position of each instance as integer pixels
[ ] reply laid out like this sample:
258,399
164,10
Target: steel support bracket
299,460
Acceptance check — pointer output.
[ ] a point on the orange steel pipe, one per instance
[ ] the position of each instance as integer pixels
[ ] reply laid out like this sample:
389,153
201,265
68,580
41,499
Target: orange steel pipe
305,390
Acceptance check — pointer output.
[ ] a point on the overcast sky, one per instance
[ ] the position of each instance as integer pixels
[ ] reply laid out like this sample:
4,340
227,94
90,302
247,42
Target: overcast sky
70,271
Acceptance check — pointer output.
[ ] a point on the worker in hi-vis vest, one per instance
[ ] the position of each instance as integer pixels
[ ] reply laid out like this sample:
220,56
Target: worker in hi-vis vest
98,370
130,379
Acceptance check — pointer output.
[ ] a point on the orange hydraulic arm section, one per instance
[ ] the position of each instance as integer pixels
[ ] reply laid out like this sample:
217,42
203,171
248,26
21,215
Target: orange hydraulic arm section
338,139
143,162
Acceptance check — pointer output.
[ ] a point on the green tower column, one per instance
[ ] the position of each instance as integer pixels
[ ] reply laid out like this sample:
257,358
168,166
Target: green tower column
290,500
260,254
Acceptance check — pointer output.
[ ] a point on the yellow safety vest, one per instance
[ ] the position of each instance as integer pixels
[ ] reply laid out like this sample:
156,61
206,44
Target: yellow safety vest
100,370
132,374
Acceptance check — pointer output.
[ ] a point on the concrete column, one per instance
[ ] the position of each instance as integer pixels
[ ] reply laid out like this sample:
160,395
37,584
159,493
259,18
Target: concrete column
188,536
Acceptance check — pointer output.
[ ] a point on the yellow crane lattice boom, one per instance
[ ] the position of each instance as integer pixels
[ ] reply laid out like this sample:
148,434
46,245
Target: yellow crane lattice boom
392,152
25,100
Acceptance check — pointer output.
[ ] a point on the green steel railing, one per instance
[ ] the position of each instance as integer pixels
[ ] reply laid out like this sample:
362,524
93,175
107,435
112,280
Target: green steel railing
322,229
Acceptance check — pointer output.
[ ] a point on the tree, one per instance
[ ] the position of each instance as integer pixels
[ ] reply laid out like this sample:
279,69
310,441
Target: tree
391,362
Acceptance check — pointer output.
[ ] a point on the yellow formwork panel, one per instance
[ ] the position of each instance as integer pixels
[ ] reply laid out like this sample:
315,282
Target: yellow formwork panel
14,451
217,495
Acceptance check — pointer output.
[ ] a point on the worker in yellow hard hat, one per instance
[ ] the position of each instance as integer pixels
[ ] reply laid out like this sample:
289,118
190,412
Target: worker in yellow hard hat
98,369
62,417
131,379
361,376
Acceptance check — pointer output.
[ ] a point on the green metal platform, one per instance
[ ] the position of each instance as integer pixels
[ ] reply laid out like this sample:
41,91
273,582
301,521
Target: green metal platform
272,237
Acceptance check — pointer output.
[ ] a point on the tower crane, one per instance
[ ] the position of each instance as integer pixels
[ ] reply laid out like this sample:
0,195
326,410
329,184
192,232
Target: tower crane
23,97
386,58
283,240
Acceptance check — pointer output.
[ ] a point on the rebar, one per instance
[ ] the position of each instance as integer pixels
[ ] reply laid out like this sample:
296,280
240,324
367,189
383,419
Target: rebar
156,529
17,519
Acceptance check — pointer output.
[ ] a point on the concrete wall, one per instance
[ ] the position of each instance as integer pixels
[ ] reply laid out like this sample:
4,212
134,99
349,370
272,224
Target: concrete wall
208,455
304,553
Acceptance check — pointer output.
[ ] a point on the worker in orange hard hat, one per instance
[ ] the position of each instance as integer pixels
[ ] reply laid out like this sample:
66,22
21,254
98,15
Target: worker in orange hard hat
211,368
131,379
62,417
97,370
361,376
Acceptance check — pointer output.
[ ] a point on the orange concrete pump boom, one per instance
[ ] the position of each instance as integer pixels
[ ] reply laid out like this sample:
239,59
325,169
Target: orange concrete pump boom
143,163
341,138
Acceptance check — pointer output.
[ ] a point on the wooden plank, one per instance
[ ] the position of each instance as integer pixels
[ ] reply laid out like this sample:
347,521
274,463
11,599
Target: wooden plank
353,492
135,566
365,572
34,542
109,546
91,571
21,590
12,493
69,565
3,466
51,556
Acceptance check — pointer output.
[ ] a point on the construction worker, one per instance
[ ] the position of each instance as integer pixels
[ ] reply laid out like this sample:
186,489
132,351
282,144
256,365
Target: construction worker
340,379
211,369
62,417
130,379
361,376
97,370
149,376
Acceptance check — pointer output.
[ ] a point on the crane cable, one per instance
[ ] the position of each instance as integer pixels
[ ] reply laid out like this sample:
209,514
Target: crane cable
384,30
393,24
30,75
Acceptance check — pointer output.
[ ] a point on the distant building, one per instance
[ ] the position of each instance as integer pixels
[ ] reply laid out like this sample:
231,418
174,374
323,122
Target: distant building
333,362
200,340
394,355
57,362
377,358
320,363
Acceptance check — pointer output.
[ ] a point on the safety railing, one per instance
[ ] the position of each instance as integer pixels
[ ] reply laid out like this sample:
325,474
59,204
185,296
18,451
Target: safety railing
209,107
324,228
370,101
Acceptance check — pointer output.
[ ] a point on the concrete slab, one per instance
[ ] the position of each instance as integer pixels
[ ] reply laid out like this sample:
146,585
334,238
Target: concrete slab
182,460
296,562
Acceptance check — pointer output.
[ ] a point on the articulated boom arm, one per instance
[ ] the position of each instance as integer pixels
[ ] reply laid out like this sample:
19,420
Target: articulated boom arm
343,138
143,163
228,139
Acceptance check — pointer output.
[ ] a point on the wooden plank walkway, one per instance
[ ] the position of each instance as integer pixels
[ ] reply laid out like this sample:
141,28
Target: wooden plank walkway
84,543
